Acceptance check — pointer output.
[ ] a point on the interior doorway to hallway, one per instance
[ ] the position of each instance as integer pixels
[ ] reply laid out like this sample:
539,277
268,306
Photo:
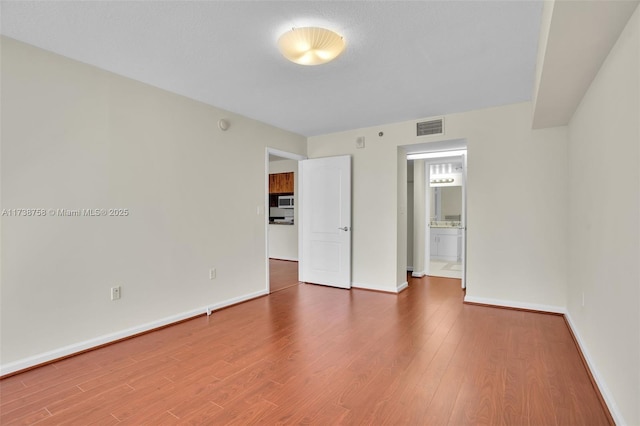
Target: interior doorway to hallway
283,274
281,214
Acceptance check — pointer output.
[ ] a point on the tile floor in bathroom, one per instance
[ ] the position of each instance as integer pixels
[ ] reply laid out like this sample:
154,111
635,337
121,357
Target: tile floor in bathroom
443,268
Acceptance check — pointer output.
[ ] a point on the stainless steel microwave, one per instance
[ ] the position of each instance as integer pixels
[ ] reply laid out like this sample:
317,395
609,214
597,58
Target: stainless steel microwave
285,201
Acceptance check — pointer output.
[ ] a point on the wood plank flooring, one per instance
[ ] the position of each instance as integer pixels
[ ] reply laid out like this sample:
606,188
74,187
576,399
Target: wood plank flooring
319,355
282,274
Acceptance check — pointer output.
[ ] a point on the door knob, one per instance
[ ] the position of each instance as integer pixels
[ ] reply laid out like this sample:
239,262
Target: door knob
346,228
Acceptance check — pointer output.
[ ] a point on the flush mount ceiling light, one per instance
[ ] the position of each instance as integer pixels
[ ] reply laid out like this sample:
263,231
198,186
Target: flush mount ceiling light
310,45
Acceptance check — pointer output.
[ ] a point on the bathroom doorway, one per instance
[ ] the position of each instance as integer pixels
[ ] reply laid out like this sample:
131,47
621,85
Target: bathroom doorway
436,200
445,223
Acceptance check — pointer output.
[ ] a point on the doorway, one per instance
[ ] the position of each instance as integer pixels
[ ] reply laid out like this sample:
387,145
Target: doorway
445,220
281,224
437,200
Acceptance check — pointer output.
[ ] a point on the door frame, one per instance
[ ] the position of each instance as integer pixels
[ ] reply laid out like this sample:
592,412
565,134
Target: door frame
440,151
290,156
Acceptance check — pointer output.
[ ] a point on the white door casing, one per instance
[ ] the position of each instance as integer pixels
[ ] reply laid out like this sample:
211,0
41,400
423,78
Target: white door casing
325,221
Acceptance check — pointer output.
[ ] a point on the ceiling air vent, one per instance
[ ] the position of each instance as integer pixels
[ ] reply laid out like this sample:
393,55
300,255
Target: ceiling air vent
431,127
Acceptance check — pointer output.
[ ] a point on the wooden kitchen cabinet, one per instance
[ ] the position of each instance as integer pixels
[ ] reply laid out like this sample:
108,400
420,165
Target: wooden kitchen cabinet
281,183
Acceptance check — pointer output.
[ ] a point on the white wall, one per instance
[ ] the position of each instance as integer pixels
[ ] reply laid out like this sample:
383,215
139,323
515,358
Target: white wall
517,244
283,239
604,254
74,137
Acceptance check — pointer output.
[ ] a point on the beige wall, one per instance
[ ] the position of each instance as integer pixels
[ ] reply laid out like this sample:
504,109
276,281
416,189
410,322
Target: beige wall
517,246
420,230
432,203
283,239
74,137
401,217
410,216
604,234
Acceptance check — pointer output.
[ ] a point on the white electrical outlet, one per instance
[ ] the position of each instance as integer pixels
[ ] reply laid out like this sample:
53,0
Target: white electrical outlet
212,273
116,293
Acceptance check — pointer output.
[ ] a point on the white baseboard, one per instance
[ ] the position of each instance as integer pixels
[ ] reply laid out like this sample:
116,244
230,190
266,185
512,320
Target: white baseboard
403,286
512,304
418,274
410,268
385,289
111,337
604,390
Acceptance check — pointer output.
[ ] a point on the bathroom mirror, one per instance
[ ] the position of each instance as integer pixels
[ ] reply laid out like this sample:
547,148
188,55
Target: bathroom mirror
446,203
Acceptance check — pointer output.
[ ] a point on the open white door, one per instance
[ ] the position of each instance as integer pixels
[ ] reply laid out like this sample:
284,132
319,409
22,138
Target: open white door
325,221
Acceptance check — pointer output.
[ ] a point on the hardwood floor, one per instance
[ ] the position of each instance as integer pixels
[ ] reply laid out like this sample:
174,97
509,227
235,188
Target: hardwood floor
282,274
314,354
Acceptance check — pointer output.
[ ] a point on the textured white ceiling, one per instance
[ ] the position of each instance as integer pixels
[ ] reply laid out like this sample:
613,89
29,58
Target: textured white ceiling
403,61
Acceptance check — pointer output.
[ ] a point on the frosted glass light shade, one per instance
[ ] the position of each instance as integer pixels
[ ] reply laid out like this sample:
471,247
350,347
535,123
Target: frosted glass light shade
310,45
